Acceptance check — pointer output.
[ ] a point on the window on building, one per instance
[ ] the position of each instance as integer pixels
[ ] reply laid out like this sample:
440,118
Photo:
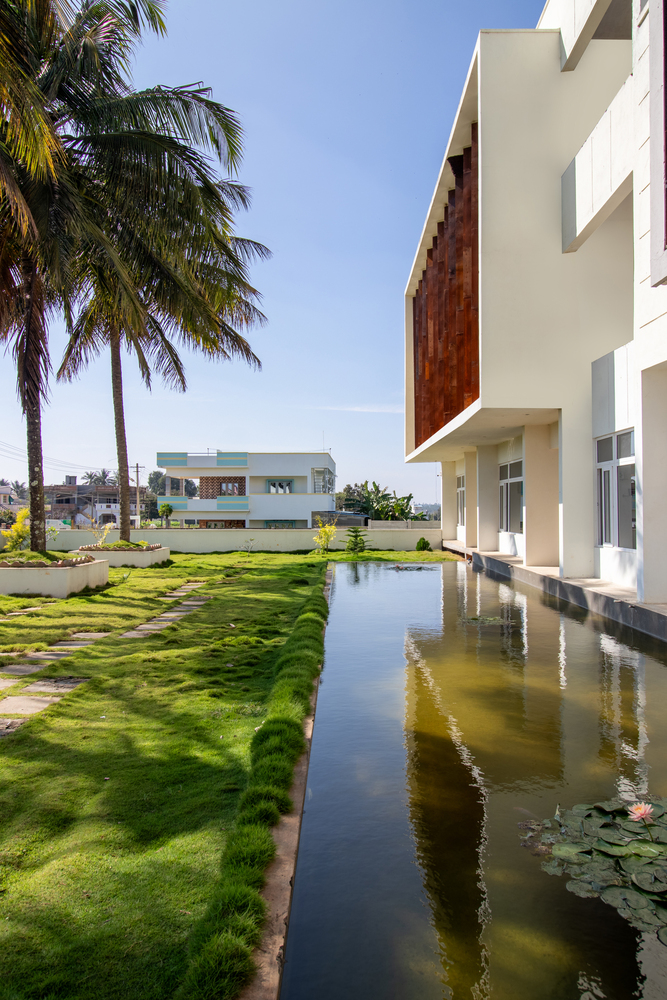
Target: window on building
279,524
280,486
461,500
616,501
511,497
324,481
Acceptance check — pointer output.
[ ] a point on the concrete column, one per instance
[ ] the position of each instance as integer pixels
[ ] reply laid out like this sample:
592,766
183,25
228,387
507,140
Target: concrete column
487,498
181,520
448,500
167,486
576,487
470,466
651,469
540,497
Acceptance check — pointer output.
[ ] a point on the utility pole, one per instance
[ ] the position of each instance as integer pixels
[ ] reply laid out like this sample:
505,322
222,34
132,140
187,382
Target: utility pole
138,499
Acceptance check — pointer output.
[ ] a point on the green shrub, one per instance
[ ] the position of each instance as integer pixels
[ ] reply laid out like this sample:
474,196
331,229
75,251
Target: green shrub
262,813
266,793
220,946
223,966
423,546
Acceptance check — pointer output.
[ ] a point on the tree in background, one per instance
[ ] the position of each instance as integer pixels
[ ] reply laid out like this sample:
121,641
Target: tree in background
377,503
61,67
187,268
165,511
19,490
157,485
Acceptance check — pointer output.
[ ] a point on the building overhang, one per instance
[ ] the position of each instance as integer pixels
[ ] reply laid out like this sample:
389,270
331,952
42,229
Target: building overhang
479,425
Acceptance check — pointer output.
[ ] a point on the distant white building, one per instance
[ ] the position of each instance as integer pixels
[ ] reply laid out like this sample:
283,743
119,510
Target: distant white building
536,319
239,489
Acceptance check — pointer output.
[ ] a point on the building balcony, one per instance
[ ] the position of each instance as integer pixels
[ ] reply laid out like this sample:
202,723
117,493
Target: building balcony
196,505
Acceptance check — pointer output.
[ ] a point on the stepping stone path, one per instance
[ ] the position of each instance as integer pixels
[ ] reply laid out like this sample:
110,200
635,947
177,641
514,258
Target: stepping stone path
40,694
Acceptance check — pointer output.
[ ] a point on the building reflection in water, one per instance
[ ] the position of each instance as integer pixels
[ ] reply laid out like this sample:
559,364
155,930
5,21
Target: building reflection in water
517,705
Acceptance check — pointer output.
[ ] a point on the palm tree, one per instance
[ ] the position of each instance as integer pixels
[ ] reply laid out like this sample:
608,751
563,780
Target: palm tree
188,268
20,490
52,205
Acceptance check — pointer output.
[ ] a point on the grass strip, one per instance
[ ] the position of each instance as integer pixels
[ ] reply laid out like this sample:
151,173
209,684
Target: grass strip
220,952
117,803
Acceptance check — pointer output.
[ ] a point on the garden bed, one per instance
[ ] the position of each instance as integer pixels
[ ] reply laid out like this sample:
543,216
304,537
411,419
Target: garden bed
50,577
132,554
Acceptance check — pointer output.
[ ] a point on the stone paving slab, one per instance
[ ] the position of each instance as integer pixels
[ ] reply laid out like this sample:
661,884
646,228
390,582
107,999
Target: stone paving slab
134,634
90,635
22,669
9,725
152,626
48,656
76,644
6,682
21,705
55,685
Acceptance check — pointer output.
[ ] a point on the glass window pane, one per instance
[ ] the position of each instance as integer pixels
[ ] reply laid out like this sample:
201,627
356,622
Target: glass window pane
600,518
625,444
516,470
627,523
502,521
606,506
605,450
516,507
503,471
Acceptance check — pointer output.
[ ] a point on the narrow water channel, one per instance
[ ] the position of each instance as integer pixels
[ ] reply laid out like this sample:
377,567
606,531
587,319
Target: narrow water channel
451,708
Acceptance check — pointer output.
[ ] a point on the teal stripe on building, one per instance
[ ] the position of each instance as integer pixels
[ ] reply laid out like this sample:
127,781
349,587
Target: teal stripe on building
232,459
169,459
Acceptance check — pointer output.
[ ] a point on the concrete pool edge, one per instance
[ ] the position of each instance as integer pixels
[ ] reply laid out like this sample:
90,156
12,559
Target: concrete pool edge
277,892
597,596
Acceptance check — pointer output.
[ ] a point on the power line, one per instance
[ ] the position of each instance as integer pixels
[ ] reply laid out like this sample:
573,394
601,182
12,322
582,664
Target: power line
10,451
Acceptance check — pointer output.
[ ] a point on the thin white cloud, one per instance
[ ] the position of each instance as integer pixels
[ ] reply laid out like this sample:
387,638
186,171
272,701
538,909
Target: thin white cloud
389,408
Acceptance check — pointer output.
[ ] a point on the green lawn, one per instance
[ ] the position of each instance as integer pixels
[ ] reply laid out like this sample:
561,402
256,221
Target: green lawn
116,804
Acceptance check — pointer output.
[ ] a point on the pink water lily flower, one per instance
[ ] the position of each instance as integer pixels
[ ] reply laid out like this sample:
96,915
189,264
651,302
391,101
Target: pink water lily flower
641,811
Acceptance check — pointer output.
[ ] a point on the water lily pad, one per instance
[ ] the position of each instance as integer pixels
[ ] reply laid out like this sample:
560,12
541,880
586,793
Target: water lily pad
592,825
622,896
616,850
646,881
612,836
662,935
661,913
568,850
581,888
612,805
614,896
646,849
582,809
634,863
552,867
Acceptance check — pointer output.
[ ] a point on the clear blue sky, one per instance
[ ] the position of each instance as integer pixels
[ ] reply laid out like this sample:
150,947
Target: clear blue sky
346,107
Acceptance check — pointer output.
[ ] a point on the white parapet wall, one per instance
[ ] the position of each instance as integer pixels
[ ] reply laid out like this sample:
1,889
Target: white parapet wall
59,581
257,540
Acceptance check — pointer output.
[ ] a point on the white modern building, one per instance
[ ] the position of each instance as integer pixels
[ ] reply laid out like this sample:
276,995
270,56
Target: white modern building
239,489
536,319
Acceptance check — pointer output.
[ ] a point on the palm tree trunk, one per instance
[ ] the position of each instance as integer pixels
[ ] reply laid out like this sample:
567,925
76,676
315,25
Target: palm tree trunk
36,479
30,372
121,438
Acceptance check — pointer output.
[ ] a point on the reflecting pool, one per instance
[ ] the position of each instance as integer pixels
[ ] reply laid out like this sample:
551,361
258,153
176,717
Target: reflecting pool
452,708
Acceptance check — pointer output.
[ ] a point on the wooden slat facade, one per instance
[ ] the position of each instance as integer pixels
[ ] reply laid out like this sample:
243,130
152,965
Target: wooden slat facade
446,307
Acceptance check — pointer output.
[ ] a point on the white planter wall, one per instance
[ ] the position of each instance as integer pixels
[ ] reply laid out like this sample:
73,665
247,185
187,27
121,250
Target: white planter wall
131,557
60,581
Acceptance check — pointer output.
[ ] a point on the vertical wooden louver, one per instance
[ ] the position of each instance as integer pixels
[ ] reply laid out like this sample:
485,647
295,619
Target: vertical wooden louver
446,307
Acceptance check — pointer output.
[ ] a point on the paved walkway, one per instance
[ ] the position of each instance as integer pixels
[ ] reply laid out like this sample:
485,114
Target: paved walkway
37,696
